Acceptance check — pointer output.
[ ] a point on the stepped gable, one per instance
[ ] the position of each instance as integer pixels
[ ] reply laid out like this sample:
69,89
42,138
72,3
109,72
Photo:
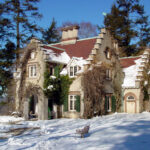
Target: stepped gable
128,61
82,48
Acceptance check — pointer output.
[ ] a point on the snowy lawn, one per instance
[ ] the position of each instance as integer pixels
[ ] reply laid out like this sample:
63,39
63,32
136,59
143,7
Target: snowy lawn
111,132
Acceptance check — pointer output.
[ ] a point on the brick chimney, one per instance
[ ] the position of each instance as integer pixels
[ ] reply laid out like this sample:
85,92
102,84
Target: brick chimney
69,34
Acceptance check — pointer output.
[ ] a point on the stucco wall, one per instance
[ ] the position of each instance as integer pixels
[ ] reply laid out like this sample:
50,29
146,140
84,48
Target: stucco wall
35,81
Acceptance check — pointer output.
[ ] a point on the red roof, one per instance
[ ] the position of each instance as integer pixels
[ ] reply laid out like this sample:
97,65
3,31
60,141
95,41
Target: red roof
81,48
127,62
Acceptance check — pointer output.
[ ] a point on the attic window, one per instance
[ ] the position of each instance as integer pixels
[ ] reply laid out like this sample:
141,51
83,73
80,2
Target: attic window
32,55
73,70
130,98
108,74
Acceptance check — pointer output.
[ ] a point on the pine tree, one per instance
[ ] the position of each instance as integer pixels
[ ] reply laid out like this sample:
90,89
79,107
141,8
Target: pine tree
5,24
128,23
7,57
51,35
22,13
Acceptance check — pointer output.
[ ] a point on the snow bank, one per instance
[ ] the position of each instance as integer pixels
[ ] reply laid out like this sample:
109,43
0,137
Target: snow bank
8,119
111,132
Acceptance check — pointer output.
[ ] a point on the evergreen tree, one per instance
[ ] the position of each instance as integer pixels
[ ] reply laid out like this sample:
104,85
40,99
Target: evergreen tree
4,25
127,23
21,13
7,57
51,35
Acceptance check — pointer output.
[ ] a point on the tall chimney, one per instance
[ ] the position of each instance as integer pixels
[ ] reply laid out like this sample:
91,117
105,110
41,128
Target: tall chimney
69,34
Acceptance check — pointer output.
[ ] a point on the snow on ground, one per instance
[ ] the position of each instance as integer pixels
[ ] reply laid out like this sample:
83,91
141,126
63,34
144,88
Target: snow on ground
111,132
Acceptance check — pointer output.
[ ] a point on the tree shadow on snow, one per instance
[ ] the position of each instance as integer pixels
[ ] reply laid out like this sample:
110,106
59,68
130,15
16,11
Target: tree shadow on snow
139,138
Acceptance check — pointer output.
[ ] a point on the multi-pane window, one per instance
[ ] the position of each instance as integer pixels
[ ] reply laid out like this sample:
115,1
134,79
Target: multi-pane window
73,70
32,71
72,100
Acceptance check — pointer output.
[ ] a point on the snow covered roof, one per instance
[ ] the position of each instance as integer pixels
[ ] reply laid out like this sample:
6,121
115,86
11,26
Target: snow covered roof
128,61
56,54
131,68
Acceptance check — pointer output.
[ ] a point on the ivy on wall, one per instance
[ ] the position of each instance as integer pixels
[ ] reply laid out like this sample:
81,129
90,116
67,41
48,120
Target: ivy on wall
65,84
56,88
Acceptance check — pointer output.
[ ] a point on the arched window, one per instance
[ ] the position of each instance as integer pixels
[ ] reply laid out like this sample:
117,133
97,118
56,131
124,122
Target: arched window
130,98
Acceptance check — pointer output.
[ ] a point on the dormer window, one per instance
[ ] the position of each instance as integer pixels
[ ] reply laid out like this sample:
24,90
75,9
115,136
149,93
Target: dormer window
73,70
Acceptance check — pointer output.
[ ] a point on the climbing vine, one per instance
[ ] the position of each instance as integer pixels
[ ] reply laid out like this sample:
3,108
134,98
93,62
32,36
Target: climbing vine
56,88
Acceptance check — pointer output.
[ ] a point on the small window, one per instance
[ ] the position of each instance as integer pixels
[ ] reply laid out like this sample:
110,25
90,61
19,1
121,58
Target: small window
107,53
108,74
32,71
130,98
32,55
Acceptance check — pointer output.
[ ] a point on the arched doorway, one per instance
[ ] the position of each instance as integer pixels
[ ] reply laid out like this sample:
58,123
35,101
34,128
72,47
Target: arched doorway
130,102
35,103
33,106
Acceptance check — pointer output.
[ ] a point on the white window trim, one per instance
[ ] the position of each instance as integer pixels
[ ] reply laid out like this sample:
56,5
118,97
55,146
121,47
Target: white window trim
32,73
74,100
74,74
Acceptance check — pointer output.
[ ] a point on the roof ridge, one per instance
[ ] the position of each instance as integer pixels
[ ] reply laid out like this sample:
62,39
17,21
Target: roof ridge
88,38
57,48
54,47
77,40
130,57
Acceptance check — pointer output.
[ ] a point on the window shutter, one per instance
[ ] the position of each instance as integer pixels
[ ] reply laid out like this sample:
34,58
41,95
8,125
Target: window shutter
113,103
105,104
77,103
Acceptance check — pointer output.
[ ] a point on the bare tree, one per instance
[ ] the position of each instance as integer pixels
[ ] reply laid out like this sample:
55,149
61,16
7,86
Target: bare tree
87,29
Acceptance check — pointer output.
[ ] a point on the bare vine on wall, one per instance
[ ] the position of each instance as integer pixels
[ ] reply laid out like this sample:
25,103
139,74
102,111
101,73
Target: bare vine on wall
93,88
23,66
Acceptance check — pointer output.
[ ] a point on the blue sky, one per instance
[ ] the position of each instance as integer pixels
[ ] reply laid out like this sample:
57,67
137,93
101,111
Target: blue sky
77,10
